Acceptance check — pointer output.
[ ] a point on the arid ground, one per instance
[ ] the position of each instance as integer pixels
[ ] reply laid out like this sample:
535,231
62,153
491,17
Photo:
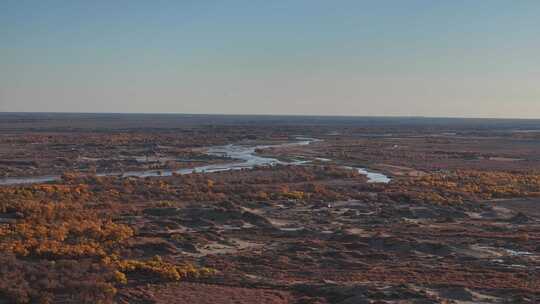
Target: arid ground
103,208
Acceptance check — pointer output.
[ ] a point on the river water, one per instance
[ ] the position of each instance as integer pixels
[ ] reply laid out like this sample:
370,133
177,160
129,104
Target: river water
244,157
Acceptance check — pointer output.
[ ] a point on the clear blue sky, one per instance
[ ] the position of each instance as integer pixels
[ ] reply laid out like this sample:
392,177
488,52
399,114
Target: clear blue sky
433,58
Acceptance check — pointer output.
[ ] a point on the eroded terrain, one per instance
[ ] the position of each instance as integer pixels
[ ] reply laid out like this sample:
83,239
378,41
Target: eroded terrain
458,221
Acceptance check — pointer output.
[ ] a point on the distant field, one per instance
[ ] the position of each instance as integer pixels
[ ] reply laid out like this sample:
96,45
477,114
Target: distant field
97,121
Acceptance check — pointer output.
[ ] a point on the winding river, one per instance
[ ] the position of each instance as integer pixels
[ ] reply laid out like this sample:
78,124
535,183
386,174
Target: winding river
245,157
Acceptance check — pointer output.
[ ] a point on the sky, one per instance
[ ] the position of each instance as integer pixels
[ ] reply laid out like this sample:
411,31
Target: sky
312,57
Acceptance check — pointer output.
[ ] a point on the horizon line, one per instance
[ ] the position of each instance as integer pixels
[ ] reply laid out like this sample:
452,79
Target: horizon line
273,115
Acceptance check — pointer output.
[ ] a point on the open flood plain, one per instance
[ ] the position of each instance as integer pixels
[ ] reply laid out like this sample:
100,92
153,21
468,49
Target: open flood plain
134,208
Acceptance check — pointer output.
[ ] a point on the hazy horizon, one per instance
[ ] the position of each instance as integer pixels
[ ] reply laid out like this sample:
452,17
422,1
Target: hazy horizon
350,58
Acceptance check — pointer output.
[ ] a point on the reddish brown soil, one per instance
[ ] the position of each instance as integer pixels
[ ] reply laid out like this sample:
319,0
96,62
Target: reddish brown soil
204,294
